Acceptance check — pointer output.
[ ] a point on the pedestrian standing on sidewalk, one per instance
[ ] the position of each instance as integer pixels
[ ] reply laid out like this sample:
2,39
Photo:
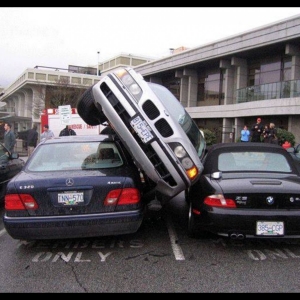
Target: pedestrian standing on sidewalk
47,133
273,139
266,132
245,134
256,131
67,131
32,138
9,138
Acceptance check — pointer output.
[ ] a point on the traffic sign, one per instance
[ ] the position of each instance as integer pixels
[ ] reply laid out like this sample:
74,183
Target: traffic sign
65,114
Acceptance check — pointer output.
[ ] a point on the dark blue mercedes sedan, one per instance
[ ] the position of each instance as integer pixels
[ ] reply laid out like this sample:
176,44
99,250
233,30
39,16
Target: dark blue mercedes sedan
74,187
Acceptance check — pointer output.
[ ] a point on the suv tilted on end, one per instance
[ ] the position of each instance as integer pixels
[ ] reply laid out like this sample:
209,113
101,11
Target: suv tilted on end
162,138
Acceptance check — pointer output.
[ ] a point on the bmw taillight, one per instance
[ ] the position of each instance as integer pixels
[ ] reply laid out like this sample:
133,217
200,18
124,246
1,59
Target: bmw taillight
219,201
125,196
20,202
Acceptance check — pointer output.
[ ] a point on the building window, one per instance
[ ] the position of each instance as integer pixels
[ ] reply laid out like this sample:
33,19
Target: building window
269,70
211,88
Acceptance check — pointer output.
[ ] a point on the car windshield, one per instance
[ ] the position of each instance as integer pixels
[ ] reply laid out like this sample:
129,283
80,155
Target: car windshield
181,115
253,161
75,156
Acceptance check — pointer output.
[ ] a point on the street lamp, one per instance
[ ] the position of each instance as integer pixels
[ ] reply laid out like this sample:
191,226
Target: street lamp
98,63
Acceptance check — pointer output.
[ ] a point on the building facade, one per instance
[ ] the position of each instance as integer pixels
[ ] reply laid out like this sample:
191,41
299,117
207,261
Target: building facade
230,82
223,85
23,102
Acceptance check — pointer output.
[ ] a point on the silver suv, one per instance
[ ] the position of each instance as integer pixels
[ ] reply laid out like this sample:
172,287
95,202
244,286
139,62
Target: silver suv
160,135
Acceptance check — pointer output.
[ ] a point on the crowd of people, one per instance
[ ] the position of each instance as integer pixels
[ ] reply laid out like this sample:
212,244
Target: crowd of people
259,133
10,138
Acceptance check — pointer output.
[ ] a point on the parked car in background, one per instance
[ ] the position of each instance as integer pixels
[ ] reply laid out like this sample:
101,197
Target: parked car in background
246,190
160,135
75,187
10,165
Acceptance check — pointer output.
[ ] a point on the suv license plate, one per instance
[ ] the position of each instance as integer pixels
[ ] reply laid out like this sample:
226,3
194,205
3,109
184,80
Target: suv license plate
141,128
269,228
70,198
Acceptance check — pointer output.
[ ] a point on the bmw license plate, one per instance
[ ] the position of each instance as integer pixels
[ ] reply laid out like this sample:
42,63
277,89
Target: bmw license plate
269,228
70,198
141,128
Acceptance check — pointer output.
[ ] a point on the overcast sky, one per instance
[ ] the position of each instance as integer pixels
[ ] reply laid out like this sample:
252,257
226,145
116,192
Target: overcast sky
62,36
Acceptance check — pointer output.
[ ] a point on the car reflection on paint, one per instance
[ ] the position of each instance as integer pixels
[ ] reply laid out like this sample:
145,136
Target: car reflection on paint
75,187
246,190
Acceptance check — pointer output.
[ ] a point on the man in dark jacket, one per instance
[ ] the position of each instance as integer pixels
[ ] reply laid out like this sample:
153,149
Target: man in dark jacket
256,131
9,138
67,131
32,138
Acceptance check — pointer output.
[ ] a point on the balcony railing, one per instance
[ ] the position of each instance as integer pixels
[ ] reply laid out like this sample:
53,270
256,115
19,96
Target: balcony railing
276,90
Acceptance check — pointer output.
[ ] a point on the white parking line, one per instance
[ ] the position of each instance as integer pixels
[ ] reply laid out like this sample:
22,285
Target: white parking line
3,231
174,240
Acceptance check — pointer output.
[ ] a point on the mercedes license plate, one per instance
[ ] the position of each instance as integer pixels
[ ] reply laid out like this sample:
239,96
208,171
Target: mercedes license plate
141,128
269,228
70,198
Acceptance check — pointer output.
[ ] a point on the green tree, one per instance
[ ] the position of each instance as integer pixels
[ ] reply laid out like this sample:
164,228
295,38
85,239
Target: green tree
52,96
284,135
210,137
63,93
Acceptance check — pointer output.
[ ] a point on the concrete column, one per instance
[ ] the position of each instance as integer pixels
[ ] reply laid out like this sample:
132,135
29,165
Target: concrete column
294,51
229,84
38,102
228,81
192,87
27,105
241,72
295,67
183,88
22,105
17,102
293,126
228,132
